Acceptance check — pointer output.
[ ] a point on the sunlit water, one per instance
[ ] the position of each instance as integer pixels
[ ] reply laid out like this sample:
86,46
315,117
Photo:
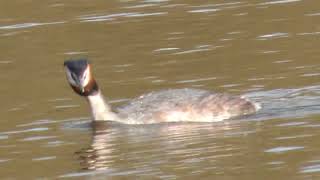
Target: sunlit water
265,50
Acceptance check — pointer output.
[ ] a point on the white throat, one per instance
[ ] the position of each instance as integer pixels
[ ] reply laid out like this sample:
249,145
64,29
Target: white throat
100,109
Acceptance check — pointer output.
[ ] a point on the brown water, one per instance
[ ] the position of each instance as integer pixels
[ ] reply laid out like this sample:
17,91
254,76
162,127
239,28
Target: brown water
268,50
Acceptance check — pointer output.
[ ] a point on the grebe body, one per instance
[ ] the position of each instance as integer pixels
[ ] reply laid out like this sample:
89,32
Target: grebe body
173,105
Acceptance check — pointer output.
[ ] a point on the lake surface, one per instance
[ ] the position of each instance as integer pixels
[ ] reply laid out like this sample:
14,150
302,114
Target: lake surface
265,49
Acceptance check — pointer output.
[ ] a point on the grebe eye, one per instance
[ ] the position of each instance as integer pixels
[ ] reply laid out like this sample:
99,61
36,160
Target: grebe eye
85,75
73,76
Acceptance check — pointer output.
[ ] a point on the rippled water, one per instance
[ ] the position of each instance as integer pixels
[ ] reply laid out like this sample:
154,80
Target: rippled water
267,50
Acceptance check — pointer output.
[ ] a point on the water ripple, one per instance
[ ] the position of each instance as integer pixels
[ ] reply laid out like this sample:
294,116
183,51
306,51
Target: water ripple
44,158
310,74
156,1
311,169
166,49
273,35
4,160
110,17
25,130
278,2
37,138
75,52
93,18
28,25
292,124
198,49
285,103
203,10
4,137
66,106
219,5
139,6
309,33
55,143
313,14
294,137
196,80
283,149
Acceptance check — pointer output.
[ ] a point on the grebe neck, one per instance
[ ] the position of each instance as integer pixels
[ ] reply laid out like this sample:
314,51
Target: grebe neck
100,109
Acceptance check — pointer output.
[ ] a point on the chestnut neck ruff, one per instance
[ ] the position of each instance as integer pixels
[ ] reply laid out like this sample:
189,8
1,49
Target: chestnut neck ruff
89,90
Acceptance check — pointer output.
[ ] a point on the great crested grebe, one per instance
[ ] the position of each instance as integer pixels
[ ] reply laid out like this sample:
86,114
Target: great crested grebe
173,105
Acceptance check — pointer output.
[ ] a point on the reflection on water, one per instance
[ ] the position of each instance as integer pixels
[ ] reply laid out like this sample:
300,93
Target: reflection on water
267,50
157,149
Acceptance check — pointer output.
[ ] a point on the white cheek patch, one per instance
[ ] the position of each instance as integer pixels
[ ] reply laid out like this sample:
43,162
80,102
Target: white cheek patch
69,77
86,77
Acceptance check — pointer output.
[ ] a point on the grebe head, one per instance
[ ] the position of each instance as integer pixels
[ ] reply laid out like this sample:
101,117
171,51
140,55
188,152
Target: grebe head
80,77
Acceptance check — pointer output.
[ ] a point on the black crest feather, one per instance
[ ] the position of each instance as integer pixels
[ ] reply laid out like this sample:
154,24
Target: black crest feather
77,66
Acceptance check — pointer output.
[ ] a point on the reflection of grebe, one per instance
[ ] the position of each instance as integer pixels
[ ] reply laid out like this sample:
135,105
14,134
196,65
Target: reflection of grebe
192,105
141,150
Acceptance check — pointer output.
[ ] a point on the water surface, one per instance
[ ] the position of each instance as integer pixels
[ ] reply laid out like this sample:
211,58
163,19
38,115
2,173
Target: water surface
267,50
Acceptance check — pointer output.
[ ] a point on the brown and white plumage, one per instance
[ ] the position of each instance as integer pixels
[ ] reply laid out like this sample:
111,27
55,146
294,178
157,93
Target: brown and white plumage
173,105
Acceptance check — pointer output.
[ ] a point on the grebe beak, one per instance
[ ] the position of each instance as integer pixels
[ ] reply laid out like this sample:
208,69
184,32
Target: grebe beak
82,89
81,85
